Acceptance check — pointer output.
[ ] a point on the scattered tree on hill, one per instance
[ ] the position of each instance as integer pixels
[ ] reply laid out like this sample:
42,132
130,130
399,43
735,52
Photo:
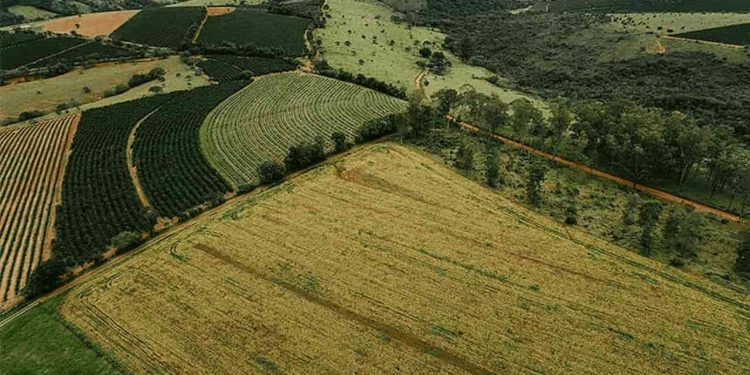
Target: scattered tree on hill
270,172
742,264
648,217
526,119
445,99
492,169
425,52
465,156
571,213
536,175
340,144
305,154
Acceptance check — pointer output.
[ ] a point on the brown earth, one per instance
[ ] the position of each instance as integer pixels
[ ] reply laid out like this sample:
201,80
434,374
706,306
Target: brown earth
219,11
91,24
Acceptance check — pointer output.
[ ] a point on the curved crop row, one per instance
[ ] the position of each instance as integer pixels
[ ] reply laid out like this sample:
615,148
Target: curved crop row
30,173
175,175
99,198
276,112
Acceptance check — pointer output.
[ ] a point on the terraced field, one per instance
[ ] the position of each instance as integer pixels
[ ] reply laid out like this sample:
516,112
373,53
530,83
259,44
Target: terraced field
278,111
32,163
387,261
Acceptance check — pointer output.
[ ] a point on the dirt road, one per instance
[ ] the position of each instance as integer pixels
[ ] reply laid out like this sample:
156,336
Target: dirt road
607,176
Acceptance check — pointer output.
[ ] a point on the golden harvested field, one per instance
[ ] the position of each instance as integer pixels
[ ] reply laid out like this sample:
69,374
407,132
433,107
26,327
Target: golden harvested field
387,261
91,24
32,165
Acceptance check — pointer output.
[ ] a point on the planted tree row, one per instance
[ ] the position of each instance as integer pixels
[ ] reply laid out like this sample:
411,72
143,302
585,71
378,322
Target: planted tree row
274,113
162,27
257,28
30,174
228,67
99,200
90,51
27,52
8,39
173,170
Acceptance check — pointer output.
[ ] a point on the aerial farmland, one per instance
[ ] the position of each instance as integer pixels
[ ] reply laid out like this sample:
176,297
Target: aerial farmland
379,187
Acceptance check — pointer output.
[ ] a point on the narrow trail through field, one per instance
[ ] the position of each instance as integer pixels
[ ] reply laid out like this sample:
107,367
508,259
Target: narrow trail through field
403,337
660,49
200,28
607,176
131,163
725,45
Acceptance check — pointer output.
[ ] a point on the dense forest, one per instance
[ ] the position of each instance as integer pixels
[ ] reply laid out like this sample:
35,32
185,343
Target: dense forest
560,55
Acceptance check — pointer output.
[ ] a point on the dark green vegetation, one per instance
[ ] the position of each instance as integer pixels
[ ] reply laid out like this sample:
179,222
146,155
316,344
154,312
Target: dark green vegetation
173,170
41,339
99,200
651,5
86,53
560,54
10,39
64,7
735,34
162,27
223,68
30,51
263,30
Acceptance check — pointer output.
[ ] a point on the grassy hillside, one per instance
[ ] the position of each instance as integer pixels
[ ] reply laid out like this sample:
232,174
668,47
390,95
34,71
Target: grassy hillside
70,89
361,37
387,261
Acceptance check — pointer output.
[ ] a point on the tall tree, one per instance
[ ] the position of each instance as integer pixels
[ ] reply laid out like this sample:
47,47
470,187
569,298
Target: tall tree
525,120
742,264
535,178
648,218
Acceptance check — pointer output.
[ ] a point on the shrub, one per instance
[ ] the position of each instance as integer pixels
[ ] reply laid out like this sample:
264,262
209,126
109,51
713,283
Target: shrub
27,115
270,172
125,241
304,155
377,128
340,144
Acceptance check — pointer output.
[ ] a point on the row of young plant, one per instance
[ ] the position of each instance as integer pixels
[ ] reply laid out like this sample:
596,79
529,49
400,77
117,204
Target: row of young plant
174,172
99,201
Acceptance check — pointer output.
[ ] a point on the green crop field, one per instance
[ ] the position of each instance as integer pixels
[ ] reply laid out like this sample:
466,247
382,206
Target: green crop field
162,27
260,29
223,68
41,342
26,52
735,34
278,111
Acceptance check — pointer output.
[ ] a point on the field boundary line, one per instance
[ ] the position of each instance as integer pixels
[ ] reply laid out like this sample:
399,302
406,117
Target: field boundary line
57,199
607,176
200,28
57,53
132,170
725,45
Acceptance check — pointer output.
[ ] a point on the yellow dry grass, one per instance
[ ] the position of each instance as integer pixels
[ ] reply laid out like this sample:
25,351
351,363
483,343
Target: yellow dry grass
91,24
387,261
